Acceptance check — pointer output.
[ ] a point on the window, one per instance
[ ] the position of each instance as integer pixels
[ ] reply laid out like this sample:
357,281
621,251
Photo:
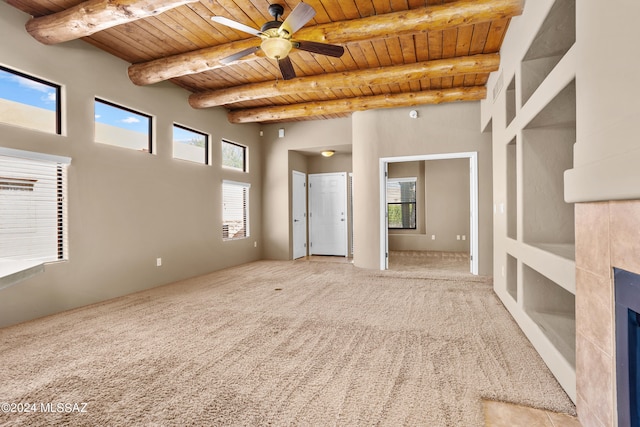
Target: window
189,144
29,102
122,127
235,210
234,156
32,206
401,203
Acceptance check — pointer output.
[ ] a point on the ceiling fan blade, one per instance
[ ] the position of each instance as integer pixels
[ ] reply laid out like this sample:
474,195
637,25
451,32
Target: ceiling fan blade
299,16
286,68
321,48
235,25
231,58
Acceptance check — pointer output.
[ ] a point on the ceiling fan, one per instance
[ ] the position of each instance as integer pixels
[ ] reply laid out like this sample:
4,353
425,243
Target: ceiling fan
276,38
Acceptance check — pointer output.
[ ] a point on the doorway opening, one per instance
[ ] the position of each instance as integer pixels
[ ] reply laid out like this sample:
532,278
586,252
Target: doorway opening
473,203
299,214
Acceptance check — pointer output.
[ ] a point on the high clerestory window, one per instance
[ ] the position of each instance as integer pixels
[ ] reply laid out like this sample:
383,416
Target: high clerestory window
122,126
234,156
190,144
29,102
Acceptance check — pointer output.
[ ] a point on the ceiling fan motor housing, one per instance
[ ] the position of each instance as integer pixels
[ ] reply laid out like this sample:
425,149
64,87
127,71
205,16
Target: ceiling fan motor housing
276,10
270,25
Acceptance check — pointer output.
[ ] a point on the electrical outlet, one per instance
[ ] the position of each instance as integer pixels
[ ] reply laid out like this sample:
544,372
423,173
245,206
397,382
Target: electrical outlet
464,237
158,262
457,237
433,237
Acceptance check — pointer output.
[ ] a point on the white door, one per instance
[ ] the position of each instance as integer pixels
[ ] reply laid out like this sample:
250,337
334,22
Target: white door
299,214
328,214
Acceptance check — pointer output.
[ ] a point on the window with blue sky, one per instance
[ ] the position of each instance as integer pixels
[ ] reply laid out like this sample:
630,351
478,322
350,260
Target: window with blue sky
29,102
190,144
122,126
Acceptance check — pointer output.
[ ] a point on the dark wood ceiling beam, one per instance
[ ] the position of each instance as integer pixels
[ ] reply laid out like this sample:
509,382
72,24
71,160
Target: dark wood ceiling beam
372,77
92,16
348,105
430,18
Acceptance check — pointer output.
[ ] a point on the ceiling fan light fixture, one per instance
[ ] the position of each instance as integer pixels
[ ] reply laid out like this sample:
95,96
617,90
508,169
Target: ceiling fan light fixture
276,47
328,153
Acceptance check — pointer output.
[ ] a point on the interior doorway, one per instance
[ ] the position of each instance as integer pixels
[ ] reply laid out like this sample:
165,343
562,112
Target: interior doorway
473,203
299,214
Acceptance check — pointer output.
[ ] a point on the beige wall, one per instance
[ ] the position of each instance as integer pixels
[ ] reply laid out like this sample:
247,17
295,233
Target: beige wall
337,163
446,128
125,208
607,151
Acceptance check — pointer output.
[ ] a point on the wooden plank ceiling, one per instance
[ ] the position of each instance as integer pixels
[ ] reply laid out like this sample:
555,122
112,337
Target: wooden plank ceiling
397,52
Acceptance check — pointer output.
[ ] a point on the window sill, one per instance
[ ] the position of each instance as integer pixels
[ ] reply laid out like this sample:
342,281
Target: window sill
14,271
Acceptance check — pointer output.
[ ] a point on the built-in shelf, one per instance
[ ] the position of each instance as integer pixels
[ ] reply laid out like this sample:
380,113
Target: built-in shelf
537,278
511,101
547,153
555,37
567,250
512,277
552,308
512,191
560,269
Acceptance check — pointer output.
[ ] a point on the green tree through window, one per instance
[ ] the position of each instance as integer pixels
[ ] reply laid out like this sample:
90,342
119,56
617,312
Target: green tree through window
401,203
234,156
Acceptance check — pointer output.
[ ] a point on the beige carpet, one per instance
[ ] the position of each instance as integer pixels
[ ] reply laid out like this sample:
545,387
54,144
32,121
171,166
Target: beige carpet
429,261
279,343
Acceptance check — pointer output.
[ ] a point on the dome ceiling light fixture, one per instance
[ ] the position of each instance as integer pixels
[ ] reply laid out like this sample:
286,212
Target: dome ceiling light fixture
328,153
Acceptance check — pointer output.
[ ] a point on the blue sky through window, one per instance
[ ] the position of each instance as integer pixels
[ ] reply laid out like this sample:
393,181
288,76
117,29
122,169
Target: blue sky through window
186,136
114,116
26,91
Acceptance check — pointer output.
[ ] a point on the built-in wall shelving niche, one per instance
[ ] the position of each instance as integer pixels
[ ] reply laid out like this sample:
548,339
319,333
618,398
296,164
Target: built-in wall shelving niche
512,191
511,101
547,144
512,277
555,37
552,308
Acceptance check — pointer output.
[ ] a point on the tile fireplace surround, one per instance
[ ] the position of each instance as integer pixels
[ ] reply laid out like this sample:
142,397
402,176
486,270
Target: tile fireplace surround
607,236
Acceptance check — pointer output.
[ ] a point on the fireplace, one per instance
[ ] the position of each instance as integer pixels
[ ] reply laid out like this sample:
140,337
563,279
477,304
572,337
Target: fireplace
627,312
607,239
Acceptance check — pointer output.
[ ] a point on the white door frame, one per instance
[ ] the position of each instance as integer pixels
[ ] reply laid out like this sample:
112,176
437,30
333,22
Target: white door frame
294,200
473,201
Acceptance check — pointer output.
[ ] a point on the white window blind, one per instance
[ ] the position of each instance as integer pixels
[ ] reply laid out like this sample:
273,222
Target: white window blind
32,206
235,210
